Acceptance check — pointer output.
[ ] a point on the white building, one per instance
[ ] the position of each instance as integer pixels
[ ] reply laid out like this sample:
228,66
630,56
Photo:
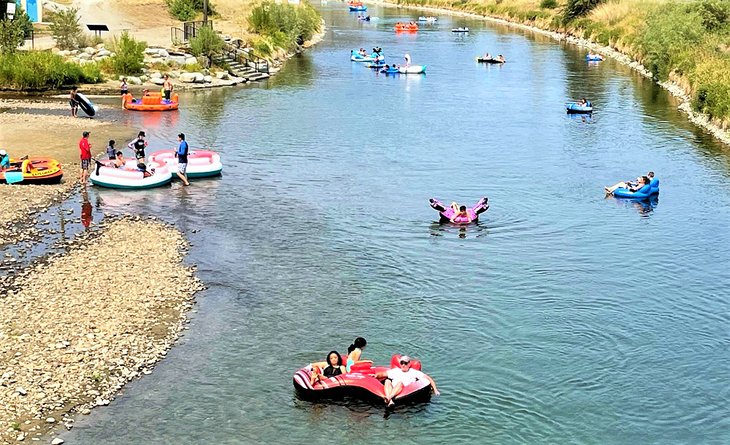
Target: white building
34,8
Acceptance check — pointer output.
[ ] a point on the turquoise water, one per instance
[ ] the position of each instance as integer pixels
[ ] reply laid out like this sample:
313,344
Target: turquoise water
562,317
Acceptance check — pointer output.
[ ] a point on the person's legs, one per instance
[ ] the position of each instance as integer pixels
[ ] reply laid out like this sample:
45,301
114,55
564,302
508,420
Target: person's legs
394,391
181,169
616,186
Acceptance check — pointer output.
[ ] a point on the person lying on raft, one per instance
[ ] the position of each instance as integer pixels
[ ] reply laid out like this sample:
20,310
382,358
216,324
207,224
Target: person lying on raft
399,378
332,367
460,212
500,58
583,102
631,186
487,56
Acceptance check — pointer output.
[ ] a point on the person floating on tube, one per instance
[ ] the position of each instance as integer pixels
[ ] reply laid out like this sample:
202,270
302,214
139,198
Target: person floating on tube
399,378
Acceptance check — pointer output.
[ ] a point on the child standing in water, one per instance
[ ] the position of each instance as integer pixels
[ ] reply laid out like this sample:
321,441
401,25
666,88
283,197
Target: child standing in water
110,150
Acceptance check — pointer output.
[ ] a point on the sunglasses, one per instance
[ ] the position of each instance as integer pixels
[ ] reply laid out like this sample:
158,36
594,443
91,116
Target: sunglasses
404,363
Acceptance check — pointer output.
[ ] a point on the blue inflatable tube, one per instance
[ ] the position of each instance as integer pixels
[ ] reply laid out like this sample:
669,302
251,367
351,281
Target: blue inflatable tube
358,8
390,71
574,108
594,58
643,193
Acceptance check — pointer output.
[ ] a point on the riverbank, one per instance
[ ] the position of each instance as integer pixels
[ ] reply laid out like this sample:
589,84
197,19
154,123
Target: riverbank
76,327
545,24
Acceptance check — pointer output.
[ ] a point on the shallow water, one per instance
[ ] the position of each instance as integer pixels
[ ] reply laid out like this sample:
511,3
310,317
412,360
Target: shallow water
562,317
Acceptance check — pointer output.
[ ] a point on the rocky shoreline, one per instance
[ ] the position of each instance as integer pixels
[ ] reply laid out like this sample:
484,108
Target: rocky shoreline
75,327
675,89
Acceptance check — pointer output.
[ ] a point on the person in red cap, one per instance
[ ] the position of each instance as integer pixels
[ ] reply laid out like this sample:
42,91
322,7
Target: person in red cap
85,152
399,378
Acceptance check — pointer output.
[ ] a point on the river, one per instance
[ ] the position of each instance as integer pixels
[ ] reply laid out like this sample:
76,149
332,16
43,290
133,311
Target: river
562,317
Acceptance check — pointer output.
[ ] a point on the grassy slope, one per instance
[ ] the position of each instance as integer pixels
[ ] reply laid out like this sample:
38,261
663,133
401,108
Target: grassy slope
697,60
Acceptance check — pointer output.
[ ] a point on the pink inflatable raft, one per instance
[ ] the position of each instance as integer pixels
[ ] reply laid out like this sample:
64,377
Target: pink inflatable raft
201,163
446,213
359,382
130,176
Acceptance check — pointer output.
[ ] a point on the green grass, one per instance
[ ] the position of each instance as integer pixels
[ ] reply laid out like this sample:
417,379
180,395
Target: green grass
42,70
282,25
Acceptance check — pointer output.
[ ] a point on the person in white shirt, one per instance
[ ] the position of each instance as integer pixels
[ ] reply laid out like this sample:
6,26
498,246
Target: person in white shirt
399,378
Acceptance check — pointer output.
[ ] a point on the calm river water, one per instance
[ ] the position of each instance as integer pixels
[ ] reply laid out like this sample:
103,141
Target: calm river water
562,317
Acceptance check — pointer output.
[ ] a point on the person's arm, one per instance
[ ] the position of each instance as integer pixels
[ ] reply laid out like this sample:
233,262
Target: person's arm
433,385
131,145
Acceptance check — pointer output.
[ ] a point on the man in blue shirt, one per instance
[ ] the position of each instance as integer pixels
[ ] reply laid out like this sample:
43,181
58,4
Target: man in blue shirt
182,158
4,160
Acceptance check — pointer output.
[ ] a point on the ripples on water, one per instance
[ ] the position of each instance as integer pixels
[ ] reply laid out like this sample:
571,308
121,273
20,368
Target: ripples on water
561,317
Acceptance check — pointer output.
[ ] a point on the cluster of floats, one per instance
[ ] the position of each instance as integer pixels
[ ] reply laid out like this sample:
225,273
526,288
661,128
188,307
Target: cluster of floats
160,169
376,61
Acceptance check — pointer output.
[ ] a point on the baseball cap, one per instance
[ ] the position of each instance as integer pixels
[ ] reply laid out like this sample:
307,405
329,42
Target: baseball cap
3,152
404,358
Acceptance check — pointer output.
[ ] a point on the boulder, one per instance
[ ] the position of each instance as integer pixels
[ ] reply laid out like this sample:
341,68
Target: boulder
144,78
151,51
222,75
188,77
207,79
100,46
155,75
163,53
99,58
104,52
191,60
84,56
157,80
64,53
90,50
73,52
133,80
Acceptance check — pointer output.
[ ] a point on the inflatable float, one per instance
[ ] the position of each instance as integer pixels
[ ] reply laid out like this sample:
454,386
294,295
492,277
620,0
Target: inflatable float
412,69
150,102
429,19
201,163
390,71
375,65
594,57
645,192
32,171
357,57
489,60
130,177
446,213
405,27
85,104
359,382
360,8
460,29
574,108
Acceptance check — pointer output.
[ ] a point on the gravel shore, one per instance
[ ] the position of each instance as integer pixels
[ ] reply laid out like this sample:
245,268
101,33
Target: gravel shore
19,205
74,328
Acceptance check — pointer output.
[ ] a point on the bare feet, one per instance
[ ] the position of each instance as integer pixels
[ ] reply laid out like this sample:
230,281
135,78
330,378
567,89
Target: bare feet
391,403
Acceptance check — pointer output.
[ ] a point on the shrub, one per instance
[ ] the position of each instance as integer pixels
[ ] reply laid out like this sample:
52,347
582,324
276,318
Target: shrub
11,36
40,70
65,28
668,40
579,8
284,24
186,10
129,55
206,43
549,4
715,14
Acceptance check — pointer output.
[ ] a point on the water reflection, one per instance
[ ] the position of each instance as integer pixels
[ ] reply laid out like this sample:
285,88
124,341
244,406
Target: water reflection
474,230
643,207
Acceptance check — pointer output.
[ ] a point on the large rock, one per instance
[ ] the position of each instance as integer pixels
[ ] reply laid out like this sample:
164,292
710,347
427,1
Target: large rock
163,53
155,75
84,56
157,80
90,50
191,77
222,75
64,53
133,80
104,52
151,50
98,58
191,60
207,79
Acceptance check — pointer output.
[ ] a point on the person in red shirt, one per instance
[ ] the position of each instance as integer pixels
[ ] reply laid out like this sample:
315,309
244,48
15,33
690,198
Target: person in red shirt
85,151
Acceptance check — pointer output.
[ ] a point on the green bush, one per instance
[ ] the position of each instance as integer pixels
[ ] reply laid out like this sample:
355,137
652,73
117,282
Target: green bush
206,43
129,55
715,14
549,4
579,8
42,70
285,25
186,10
669,39
65,28
11,36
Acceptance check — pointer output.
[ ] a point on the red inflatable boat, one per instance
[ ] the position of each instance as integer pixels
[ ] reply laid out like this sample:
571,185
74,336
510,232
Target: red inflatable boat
359,382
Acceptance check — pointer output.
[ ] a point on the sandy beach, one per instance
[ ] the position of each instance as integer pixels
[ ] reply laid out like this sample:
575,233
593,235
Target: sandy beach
73,330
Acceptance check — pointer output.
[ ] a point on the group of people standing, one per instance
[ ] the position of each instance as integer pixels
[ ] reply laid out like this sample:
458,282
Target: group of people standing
138,147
